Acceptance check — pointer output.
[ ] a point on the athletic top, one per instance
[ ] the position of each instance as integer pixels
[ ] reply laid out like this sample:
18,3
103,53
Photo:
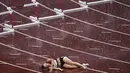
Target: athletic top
55,64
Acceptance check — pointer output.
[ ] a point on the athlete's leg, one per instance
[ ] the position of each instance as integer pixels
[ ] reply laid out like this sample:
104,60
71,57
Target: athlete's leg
70,62
69,66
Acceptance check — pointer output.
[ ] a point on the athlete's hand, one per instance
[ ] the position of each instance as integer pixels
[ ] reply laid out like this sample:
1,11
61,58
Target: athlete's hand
50,70
61,69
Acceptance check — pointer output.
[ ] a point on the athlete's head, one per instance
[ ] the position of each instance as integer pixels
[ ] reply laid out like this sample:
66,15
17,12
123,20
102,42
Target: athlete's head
45,66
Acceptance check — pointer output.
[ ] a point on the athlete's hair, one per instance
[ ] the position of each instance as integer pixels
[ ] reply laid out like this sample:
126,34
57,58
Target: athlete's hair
43,68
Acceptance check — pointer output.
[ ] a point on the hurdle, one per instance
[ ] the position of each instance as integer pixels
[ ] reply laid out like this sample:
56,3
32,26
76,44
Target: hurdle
9,28
59,12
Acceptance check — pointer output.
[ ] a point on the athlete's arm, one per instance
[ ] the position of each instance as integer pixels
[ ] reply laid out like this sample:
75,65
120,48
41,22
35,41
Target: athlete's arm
51,67
58,69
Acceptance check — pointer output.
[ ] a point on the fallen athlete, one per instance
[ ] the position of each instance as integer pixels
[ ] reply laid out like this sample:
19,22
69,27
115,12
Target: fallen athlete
60,63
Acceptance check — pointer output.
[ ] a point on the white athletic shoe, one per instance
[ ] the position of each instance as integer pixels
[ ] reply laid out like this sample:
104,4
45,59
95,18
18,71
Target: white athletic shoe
85,64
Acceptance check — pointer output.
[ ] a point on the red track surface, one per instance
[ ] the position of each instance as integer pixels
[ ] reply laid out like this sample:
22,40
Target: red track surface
26,43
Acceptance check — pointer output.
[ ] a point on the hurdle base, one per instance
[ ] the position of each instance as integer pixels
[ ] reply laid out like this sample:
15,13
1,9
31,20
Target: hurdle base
7,31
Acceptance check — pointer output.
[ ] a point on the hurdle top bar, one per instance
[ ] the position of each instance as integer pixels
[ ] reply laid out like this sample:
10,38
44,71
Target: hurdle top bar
8,26
75,9
51,17
26,25
99,2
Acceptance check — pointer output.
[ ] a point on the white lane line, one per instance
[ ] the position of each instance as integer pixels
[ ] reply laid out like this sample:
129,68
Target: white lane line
85,22
68,48
96,70
37,54
21,64
83,36
41,56
114,68
122,3
20,67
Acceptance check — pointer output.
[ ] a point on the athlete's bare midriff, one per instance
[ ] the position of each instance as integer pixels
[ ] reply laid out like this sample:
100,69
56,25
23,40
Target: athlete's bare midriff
59,63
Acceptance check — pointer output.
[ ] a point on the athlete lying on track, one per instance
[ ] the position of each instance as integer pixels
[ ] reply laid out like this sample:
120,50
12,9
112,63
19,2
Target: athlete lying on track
60,63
